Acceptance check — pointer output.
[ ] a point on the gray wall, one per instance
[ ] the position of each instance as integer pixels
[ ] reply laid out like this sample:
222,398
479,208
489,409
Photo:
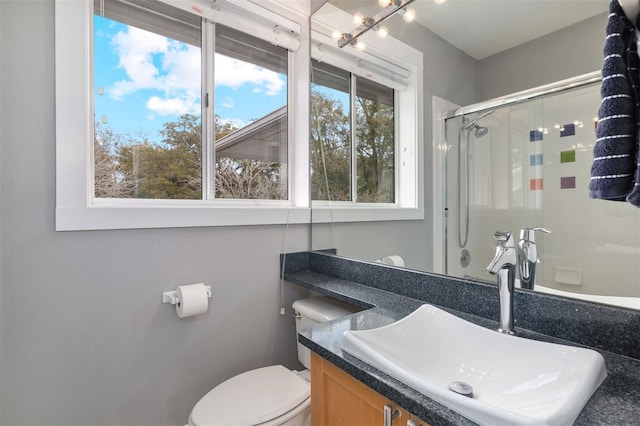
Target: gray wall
566,53
450,74
85,338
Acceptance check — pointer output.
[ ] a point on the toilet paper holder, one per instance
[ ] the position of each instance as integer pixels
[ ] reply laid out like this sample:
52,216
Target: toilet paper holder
172,296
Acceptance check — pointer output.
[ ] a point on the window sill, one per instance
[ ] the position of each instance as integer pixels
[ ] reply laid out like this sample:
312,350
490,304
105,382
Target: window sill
182,215
325,213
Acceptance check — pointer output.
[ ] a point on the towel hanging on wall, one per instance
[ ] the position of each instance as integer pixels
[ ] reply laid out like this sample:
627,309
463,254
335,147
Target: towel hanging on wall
615,172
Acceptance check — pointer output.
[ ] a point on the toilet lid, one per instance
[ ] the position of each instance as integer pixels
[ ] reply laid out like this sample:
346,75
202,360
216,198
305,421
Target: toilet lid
251,398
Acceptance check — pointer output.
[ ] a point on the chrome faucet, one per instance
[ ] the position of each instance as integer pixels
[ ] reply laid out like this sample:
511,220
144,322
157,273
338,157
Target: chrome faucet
528,256
504,266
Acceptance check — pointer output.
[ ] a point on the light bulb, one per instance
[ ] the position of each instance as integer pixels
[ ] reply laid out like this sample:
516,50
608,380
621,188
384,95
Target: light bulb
385,3
360,46
382,31
358,19
336,35
439,1
409,14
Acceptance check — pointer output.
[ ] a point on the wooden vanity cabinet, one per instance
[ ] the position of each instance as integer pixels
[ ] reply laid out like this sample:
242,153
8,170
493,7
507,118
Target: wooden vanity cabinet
338,399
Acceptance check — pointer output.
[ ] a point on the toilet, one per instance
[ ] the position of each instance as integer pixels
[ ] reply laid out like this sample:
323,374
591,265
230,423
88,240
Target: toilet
274,395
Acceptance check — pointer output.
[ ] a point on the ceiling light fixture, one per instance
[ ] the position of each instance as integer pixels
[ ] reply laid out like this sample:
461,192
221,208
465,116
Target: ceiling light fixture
364,23
409,14
382,31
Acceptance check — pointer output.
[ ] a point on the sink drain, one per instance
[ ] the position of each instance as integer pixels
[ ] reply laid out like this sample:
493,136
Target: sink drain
461,388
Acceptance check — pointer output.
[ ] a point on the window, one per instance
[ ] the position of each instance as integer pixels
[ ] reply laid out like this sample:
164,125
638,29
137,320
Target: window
331,153
342,170
366,126
187,105
250,151
375,142
147,101
147,72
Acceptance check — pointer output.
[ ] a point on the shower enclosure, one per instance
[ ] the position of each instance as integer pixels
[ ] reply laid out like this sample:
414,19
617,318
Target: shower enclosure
527,164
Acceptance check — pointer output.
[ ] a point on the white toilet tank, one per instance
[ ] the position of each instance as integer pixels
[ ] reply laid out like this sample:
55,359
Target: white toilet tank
315,310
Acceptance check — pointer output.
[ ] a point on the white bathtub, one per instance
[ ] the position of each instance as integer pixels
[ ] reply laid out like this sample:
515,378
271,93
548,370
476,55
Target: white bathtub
627,302
624,301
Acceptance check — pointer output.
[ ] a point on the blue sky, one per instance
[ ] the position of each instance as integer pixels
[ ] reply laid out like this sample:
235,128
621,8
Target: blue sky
147,80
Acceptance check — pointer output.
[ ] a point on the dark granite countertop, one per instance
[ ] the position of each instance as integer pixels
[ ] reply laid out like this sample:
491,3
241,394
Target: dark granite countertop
615,402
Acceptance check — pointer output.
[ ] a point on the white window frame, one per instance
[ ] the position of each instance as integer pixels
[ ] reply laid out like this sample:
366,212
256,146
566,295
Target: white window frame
76,206
395,64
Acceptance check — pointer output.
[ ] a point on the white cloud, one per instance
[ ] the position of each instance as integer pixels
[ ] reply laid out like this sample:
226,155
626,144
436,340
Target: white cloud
153,62
171,106
234,73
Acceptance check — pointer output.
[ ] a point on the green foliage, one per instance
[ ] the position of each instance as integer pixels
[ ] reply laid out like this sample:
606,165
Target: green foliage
171,170
132,167
375,151
331,150
129,167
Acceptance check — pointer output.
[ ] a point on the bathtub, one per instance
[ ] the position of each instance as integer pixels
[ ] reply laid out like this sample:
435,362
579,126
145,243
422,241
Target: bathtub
624,301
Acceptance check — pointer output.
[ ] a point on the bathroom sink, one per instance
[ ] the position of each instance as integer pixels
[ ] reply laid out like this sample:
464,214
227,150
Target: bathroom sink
510,380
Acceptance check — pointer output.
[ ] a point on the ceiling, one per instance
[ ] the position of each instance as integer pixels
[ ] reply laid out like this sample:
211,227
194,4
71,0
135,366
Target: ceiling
482,28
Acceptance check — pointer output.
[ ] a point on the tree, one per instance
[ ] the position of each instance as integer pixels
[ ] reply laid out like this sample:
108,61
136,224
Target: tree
375,150
133,167
169,170
330,149
110,180
249,179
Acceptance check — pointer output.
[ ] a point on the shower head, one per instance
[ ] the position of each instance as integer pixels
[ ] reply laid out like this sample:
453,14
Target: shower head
481,131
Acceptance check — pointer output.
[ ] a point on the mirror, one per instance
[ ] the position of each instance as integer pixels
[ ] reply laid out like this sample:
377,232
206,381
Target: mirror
522,164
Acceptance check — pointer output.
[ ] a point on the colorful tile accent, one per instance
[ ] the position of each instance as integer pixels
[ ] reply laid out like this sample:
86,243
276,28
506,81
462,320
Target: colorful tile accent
568,156
568,130
535,135
568,182
535,184
535,160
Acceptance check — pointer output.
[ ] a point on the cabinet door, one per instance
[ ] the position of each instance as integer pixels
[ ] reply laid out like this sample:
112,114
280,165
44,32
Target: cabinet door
339,399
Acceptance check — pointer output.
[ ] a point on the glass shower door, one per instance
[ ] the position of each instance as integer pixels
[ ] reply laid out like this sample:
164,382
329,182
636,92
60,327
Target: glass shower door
528,165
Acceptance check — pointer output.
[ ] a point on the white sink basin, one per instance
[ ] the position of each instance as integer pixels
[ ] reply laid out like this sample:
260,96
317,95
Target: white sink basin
515,381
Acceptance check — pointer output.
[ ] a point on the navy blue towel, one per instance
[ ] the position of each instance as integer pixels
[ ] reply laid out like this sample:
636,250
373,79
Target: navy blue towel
615,163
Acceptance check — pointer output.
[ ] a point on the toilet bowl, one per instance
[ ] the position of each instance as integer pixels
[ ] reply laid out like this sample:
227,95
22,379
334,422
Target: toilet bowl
273,395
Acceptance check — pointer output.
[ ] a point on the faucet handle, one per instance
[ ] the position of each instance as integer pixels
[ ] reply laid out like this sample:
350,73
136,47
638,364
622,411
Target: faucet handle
545,230
527,234
504,239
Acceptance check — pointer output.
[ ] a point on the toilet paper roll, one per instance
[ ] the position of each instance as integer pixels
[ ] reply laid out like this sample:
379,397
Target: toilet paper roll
194,300
394,260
